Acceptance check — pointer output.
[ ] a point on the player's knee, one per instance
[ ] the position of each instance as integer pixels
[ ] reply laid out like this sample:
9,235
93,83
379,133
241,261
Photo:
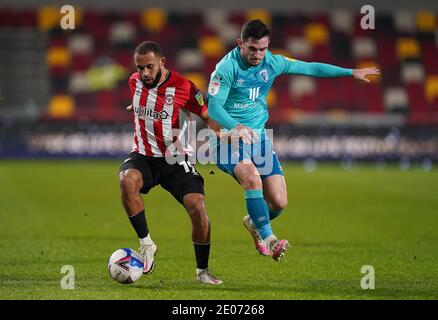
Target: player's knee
195,206
279,203
130,183
252,182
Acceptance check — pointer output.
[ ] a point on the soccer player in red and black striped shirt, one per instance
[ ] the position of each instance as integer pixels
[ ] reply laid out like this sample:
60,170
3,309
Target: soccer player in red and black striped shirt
162,100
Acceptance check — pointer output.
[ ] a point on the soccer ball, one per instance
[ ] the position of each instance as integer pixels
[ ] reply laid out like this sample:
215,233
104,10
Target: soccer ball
125,266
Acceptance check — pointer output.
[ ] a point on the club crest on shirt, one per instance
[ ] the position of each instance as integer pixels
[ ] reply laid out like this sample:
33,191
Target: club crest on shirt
264,75
169,98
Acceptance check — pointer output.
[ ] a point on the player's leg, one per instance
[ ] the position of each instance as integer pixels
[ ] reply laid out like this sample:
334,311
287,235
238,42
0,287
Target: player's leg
187,186
134,179
195,205
268,167
257,220
275,193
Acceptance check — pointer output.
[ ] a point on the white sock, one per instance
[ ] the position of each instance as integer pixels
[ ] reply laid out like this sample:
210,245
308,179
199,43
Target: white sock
146,240
198,271
268,241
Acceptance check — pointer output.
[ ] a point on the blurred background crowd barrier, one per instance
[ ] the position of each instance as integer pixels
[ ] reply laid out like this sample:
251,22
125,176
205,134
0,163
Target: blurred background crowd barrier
63,93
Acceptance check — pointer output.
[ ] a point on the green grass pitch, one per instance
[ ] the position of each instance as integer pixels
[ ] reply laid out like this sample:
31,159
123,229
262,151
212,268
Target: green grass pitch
56,213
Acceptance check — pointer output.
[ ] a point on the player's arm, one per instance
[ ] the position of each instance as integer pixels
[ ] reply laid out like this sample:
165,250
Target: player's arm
197,105
218,90
213,125
131,83
317,69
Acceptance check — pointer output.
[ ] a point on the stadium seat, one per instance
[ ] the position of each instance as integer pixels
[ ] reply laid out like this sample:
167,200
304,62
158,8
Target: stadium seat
61,106
426,22
396,99
316,34
8,17
80,43
189,60
229,34
373,98
215,18
122,34
299,47
412,72
407,48
404,21
341,20
81,62
79,82
58,57
154,19
211,46
48,17
364,47
429,50
198,79
27,19
301,85
417,99
431,88
272,99
261,14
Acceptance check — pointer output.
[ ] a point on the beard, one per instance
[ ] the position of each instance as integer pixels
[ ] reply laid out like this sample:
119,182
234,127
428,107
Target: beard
155,82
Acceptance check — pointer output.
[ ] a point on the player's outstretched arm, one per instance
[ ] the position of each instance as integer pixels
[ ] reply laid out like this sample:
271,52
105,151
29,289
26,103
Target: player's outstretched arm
239,132
361,74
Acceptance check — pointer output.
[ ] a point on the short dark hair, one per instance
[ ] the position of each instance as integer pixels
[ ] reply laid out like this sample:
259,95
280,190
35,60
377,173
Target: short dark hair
254,29
149,46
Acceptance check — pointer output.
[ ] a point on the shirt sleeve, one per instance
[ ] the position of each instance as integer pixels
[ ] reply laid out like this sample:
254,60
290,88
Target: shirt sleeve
285,65
131,83
218,90
195,103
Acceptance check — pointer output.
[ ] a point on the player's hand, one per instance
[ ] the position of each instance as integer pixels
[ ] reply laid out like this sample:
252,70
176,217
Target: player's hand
361,74
129,108
245,133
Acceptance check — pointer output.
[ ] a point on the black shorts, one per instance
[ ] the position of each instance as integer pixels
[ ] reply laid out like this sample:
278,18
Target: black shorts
179,178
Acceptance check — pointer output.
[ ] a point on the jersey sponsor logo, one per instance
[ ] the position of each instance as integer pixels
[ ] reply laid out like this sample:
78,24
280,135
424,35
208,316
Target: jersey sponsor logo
264,75
238,105
213,87
149,112
199,98
240,81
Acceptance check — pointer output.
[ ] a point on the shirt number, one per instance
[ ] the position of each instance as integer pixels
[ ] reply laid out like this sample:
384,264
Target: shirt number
254,93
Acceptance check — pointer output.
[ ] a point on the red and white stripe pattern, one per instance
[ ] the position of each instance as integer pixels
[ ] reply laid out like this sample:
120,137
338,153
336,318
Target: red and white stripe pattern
158,113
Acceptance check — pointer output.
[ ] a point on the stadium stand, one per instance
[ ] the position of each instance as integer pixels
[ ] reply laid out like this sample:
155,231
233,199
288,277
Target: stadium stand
88,66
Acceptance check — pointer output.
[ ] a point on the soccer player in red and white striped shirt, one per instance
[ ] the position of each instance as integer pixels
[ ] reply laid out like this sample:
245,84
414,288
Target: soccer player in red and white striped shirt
161,100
